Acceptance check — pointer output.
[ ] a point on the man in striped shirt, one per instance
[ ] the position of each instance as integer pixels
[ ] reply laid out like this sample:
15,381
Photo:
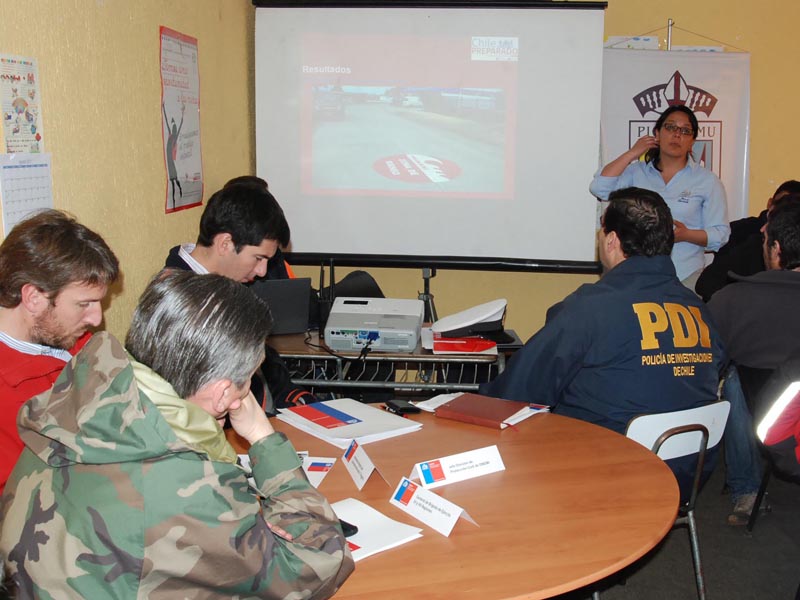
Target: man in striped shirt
54,274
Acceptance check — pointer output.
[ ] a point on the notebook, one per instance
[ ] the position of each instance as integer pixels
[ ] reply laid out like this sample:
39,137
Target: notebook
288,301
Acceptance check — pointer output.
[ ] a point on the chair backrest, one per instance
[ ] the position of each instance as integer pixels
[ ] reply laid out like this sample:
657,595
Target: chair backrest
646,429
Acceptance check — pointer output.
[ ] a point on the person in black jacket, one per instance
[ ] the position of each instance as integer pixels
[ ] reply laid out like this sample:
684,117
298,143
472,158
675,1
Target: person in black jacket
758,320
742,254
241,230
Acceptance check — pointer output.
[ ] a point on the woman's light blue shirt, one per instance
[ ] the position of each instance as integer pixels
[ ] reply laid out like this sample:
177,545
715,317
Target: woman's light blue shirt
696,198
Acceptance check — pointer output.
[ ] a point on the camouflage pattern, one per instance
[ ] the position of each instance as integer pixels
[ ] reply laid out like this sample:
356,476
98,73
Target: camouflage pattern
106,502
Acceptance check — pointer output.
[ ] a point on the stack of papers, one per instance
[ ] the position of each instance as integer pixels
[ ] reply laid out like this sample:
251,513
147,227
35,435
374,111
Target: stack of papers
376,531
338,422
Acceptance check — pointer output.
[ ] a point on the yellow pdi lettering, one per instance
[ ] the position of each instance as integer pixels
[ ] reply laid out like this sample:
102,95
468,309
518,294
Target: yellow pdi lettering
684,330
705,335
652,320
686,324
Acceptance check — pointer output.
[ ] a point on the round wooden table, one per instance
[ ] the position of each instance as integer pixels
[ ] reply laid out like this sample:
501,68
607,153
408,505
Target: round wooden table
575,504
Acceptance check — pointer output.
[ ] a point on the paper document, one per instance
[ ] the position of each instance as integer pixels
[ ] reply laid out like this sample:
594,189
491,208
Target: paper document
25,186
338,422
433,403
522,414
376,531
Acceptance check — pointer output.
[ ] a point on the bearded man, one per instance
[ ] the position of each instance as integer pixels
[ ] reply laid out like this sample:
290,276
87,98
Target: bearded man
54,274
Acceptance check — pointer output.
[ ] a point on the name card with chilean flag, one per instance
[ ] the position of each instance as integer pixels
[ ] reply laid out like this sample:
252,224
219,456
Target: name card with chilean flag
358,464
458,467
433,510
316,468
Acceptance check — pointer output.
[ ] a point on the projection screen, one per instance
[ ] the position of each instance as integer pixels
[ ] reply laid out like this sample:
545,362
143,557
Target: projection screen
460,134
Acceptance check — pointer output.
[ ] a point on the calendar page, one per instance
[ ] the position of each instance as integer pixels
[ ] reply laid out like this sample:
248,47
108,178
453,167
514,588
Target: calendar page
25,186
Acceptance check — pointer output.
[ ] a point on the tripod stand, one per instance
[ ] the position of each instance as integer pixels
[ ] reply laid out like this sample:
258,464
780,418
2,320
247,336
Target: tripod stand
425,295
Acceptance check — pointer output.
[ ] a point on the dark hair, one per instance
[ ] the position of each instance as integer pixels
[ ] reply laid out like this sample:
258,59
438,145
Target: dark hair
788,198
196,329
783,226
250,214
788,187
642,221
654,154
249,180
51,250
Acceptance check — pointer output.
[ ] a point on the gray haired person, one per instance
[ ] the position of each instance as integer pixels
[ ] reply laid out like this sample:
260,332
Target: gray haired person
128,449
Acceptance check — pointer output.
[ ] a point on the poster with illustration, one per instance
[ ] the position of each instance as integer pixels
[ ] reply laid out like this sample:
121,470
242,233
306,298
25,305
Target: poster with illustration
180,120
20,102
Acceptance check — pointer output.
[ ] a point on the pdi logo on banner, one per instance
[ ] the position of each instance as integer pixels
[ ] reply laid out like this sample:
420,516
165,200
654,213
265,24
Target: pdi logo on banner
707,148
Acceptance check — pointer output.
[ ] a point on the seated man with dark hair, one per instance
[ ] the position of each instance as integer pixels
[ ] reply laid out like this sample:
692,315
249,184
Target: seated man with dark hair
128,487
355,283
636,342
742,254
241,229
758,319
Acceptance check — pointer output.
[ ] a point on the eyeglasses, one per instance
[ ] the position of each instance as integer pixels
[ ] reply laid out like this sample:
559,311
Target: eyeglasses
675,129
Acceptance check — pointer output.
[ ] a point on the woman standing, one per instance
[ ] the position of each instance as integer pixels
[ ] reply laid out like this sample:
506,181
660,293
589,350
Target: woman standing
694,194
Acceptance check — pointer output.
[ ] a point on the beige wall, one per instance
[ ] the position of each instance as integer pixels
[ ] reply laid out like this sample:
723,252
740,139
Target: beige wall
98,64
101,106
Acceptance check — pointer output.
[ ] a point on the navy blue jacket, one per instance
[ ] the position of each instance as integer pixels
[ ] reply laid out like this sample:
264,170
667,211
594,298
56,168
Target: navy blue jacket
636,342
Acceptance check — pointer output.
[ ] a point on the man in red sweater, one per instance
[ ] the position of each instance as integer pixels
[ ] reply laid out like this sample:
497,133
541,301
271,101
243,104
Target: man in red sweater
54,273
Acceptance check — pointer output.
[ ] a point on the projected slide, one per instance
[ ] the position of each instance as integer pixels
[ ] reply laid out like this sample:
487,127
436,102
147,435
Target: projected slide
408,115
456,132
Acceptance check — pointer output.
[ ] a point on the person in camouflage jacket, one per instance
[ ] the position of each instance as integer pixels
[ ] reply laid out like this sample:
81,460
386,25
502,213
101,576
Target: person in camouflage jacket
126,490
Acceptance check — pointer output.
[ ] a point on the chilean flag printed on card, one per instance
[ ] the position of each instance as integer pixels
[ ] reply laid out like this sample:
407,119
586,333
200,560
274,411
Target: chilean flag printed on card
320,466
432,471
324,415
351,451
405,492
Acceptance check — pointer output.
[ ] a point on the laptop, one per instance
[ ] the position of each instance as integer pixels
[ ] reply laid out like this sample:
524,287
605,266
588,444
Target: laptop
288,301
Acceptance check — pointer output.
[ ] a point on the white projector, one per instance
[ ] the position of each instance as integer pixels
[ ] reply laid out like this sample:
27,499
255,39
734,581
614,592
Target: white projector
385,324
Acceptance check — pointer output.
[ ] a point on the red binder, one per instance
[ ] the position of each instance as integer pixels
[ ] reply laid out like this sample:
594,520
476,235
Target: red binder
482,410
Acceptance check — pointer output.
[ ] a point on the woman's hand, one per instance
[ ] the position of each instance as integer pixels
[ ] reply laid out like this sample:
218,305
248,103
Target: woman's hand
643,144
617,166
694,236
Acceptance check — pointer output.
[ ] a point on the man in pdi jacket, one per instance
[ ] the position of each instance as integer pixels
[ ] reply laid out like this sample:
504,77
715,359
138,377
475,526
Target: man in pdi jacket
636,342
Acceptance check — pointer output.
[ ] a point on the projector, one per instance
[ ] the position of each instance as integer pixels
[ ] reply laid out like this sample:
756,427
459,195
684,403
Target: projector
385,324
